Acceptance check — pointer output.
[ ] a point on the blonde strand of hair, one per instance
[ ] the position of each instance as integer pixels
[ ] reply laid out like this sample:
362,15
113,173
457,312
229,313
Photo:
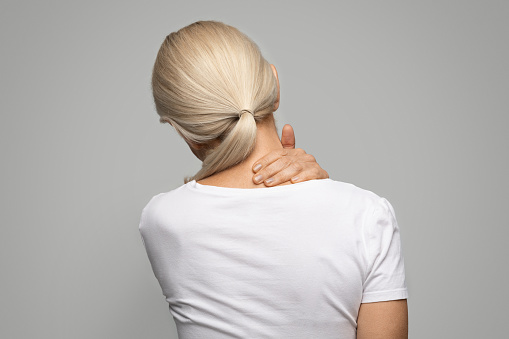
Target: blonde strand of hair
203,76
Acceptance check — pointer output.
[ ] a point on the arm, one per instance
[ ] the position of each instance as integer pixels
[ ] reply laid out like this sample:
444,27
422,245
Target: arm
383,320
288,164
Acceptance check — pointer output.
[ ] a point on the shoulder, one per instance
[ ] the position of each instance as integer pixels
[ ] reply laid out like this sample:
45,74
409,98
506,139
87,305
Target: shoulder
353,195
157,206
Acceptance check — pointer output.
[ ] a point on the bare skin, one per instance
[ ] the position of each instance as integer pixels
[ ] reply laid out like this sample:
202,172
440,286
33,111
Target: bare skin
383,320
287,164
267,141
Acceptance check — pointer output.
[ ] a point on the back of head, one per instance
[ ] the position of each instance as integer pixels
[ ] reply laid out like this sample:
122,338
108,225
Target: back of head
205,76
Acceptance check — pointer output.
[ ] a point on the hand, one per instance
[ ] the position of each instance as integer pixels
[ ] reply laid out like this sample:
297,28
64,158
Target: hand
287,164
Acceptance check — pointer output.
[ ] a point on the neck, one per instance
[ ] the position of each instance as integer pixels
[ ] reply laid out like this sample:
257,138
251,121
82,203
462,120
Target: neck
241,175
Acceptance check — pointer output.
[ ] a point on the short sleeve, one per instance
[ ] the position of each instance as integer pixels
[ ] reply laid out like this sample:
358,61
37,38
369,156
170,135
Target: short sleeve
385,271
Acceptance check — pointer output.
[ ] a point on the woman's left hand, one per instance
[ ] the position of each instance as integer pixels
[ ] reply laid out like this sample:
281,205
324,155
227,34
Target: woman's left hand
289,164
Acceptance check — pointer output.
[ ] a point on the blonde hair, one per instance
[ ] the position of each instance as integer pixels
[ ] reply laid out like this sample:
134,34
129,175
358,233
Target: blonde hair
206,75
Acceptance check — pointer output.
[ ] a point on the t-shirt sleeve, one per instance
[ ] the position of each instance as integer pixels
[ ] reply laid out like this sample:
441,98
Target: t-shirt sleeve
385,272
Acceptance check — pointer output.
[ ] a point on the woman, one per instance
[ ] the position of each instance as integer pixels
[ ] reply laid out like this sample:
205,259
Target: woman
235,259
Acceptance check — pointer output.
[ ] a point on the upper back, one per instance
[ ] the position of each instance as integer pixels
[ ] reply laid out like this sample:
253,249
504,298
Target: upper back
284,261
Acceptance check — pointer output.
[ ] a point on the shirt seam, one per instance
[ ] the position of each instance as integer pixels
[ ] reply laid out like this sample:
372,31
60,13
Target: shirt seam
385,291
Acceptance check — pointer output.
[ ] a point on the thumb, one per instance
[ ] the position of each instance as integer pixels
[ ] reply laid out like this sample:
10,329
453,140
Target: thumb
288,137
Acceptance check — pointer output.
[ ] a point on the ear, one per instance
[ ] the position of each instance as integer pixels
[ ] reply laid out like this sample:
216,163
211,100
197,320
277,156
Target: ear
193,145
199,150
276,103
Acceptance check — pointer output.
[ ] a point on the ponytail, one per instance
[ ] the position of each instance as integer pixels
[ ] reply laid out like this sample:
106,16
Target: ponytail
205,77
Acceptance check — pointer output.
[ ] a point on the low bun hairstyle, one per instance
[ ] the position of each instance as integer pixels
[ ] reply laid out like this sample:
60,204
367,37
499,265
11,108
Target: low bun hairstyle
205,77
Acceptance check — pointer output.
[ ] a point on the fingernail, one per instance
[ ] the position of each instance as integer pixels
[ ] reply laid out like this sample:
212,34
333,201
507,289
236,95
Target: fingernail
295,178
269,180
257,167
258,178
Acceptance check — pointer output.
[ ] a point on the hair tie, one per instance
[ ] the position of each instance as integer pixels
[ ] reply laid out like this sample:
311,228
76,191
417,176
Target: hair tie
245,111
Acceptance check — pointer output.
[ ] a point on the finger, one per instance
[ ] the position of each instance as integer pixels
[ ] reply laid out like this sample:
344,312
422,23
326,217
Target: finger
297,172
316,171
271,170
286,174
269,158
310,173
288,137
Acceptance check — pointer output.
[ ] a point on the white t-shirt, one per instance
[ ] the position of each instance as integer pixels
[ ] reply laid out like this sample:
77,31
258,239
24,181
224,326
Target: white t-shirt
292,261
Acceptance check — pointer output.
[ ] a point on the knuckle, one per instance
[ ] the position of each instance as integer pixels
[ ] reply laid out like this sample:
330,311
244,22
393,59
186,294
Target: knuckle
272,169
297,166
286,162
310,158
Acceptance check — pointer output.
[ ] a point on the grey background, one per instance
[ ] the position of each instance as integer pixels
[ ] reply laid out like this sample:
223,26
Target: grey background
406,99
